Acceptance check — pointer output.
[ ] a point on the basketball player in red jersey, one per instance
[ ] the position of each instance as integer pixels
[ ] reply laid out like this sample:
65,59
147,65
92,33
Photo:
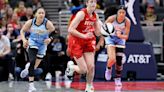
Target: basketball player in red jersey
82,42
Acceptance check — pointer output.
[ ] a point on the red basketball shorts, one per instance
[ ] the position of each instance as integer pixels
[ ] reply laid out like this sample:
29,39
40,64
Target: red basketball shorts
78,46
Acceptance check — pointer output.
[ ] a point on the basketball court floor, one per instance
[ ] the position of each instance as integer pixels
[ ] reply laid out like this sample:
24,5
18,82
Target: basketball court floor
48,86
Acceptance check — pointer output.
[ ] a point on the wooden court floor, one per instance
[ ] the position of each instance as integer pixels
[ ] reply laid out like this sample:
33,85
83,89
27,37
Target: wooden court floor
48,86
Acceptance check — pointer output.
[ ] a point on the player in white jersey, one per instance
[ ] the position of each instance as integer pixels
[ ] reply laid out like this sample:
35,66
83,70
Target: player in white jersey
116,43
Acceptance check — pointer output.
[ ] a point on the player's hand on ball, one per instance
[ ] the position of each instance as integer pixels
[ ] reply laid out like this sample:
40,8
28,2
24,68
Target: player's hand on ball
118,33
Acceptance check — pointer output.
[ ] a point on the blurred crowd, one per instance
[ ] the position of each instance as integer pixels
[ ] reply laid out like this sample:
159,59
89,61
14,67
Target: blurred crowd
149,9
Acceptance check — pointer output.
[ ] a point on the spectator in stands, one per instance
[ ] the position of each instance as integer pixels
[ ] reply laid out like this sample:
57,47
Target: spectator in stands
9,14
11,33
100,4
22,60
151,2
3,24
110,10
21,9
36,4
56,55
13,3
5,6
150,13
14,37
76,6
2,6
29,15
5,57
15,21
107,3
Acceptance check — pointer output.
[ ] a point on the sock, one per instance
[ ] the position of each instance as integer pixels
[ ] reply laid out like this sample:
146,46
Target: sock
31,81
109,68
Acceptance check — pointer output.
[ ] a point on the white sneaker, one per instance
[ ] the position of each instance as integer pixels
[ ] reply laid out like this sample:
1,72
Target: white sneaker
118,81
48,77
118,88
32,87
69,71
108,74
11,76
25,72
89,88
27,65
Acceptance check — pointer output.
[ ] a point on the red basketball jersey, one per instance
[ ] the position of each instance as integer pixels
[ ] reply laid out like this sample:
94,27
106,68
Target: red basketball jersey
87,24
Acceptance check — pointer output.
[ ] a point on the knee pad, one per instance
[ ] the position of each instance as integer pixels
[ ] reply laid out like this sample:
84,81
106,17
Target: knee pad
120,56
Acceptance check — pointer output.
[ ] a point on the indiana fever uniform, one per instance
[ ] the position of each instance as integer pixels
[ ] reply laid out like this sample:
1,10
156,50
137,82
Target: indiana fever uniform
37,36
113,40
77,46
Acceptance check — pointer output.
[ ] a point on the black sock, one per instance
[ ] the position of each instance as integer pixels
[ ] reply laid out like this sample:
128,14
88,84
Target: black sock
31,81
109,68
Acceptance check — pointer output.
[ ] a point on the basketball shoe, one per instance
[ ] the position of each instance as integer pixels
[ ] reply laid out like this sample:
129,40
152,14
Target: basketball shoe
31,87
69,71
89,88
118,81
108,73
25,72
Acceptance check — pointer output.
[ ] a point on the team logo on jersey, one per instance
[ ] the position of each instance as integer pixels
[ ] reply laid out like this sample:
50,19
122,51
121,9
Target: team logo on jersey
38,31
89,23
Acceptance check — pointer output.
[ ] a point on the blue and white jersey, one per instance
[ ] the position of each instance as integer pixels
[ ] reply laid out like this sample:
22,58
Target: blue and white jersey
113,40
120,25
38,33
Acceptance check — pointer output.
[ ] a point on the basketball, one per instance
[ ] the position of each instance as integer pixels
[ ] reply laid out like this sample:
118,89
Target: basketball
107,29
